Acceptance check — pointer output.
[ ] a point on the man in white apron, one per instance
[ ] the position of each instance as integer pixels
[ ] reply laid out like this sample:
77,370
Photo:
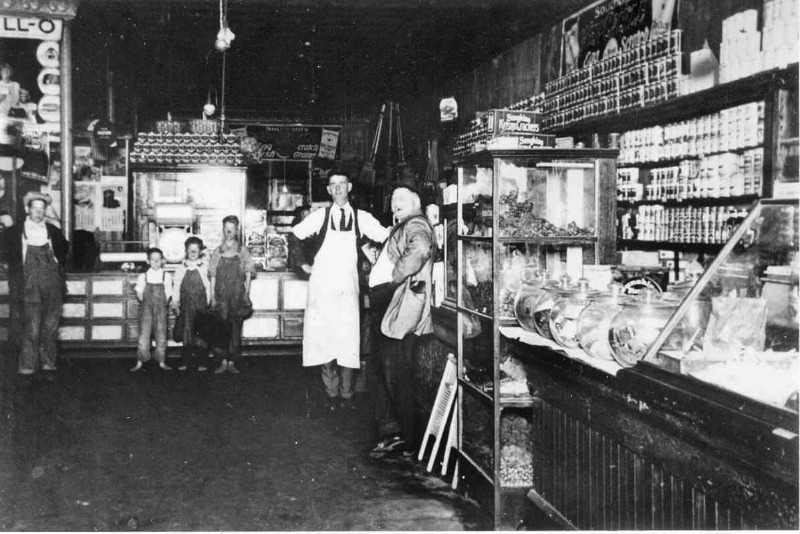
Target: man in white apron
331,332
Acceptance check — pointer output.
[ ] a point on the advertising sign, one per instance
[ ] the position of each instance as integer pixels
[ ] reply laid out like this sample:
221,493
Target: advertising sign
295,141
610,26
31,28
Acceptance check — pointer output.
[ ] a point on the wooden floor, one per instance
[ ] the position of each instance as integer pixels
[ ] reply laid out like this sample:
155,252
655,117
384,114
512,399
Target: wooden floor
99,448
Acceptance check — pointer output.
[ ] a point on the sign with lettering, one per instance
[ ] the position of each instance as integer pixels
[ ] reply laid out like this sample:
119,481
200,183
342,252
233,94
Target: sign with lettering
31,28
610,26
295,141
506,122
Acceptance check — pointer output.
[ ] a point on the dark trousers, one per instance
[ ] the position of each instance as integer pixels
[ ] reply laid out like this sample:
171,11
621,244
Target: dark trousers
42,313
233,351
390,373
41,333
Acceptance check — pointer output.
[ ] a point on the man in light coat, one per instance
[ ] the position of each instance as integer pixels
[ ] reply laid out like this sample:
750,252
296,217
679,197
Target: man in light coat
331,329
400,296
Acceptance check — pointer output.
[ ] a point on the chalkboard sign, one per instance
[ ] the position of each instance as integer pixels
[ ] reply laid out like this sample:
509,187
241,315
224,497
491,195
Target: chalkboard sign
610,26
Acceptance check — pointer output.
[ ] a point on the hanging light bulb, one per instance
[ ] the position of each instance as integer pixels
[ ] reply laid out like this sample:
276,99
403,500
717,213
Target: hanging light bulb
221,45
209,108
224,36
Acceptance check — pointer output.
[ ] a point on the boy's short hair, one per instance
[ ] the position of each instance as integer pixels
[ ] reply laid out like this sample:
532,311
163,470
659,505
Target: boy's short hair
153,250
232,219
193,240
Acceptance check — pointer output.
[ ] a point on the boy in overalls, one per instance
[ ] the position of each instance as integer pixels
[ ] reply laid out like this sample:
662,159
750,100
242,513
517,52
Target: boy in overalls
154,291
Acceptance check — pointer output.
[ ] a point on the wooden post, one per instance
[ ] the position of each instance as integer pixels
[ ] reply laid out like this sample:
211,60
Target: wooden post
66,131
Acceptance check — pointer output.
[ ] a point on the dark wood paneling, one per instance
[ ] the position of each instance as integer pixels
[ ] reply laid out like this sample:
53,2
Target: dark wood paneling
596,483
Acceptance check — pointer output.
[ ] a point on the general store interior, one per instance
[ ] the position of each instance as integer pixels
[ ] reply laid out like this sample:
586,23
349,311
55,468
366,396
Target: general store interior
608,181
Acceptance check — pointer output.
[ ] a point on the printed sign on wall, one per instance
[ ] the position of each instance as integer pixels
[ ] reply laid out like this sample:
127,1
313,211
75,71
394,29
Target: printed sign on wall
610,26
276,141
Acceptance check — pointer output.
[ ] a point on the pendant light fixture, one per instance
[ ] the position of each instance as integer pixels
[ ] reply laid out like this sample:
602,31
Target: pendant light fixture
224,36
210,106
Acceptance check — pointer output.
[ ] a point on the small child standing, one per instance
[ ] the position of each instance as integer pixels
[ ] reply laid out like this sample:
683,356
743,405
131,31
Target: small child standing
192,293
154,291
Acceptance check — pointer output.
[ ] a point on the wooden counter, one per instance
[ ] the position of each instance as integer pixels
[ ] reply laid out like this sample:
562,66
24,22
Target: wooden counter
101,311
647,449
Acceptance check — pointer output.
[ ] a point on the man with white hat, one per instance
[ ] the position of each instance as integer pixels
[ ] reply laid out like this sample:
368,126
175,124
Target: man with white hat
36,252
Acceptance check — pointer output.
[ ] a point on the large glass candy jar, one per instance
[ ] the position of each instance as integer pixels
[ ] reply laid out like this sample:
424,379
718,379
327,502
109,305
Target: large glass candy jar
544,304
566,310
594,322
533,285
635,328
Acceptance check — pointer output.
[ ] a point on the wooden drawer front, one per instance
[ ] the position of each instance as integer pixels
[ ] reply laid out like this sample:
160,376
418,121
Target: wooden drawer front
108,310
72,333
76,287
132,309
111,332
260,328
73,310
3,287
264,293
293,327
295,293
108,287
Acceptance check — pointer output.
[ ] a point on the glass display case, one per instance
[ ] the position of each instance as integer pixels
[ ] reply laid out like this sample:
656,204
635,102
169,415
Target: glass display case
519,214
737,328
212,193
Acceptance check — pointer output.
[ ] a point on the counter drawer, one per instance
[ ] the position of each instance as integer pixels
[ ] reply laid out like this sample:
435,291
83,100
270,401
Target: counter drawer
293,326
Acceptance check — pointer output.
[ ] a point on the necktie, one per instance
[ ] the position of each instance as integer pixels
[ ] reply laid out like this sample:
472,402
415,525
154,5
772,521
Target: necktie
342,222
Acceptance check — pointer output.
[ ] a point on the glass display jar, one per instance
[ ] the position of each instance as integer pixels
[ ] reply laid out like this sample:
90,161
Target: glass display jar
566,310
635,328
533,284
544,304
594,322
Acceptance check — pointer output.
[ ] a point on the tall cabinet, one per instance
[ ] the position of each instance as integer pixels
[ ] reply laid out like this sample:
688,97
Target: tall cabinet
545,209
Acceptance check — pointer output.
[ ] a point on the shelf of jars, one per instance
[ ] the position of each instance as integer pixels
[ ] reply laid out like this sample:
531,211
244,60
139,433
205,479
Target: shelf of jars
709,225
634,78
179,148
686,106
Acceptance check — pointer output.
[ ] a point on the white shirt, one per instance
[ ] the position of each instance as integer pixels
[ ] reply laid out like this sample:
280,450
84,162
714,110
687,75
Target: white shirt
152,276
381,272
35,233
367,224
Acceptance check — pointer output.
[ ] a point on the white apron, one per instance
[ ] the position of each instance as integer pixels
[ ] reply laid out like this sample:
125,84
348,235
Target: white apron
331,327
